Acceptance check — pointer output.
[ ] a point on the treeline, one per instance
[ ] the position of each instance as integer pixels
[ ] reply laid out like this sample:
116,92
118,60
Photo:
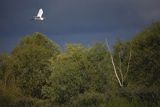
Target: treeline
38,74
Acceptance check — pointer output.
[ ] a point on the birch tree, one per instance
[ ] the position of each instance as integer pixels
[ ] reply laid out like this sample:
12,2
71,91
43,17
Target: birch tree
118,71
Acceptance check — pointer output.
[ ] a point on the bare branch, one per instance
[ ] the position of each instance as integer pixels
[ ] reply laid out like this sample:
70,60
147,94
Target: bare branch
120,68
114,67
130,54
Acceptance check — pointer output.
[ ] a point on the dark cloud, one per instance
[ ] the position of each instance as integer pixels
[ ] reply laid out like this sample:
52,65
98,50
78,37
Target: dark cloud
75,21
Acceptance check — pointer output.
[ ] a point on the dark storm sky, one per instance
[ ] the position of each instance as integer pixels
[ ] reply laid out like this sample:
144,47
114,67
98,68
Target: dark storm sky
75,21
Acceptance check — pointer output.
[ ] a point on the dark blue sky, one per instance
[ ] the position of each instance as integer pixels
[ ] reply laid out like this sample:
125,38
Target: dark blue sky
75,21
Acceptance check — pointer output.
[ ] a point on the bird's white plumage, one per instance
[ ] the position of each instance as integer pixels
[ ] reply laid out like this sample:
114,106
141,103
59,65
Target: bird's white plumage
39,16
40,13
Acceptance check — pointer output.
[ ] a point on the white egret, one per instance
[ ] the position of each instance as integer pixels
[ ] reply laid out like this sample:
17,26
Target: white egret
39,15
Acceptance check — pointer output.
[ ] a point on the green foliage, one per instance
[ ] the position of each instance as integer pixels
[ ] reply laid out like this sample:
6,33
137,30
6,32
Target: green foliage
37,74
123,102
30,63
146,57
40,40
9,94
76,71
4,65
89,99
143,76
67,78
101,69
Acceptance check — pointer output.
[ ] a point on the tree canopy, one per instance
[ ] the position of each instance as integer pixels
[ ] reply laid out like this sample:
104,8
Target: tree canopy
38,74
31,65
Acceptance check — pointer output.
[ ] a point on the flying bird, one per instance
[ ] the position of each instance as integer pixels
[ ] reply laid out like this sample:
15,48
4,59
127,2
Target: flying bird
39,16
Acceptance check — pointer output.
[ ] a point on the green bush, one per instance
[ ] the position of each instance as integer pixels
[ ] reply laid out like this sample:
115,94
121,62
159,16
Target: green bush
123,102
25,102
89,99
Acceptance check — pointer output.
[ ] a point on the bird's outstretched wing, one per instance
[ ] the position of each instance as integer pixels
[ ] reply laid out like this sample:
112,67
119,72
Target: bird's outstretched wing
40,13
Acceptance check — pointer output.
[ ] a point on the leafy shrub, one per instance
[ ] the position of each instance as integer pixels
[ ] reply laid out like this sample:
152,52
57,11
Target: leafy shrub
123,102
89,99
